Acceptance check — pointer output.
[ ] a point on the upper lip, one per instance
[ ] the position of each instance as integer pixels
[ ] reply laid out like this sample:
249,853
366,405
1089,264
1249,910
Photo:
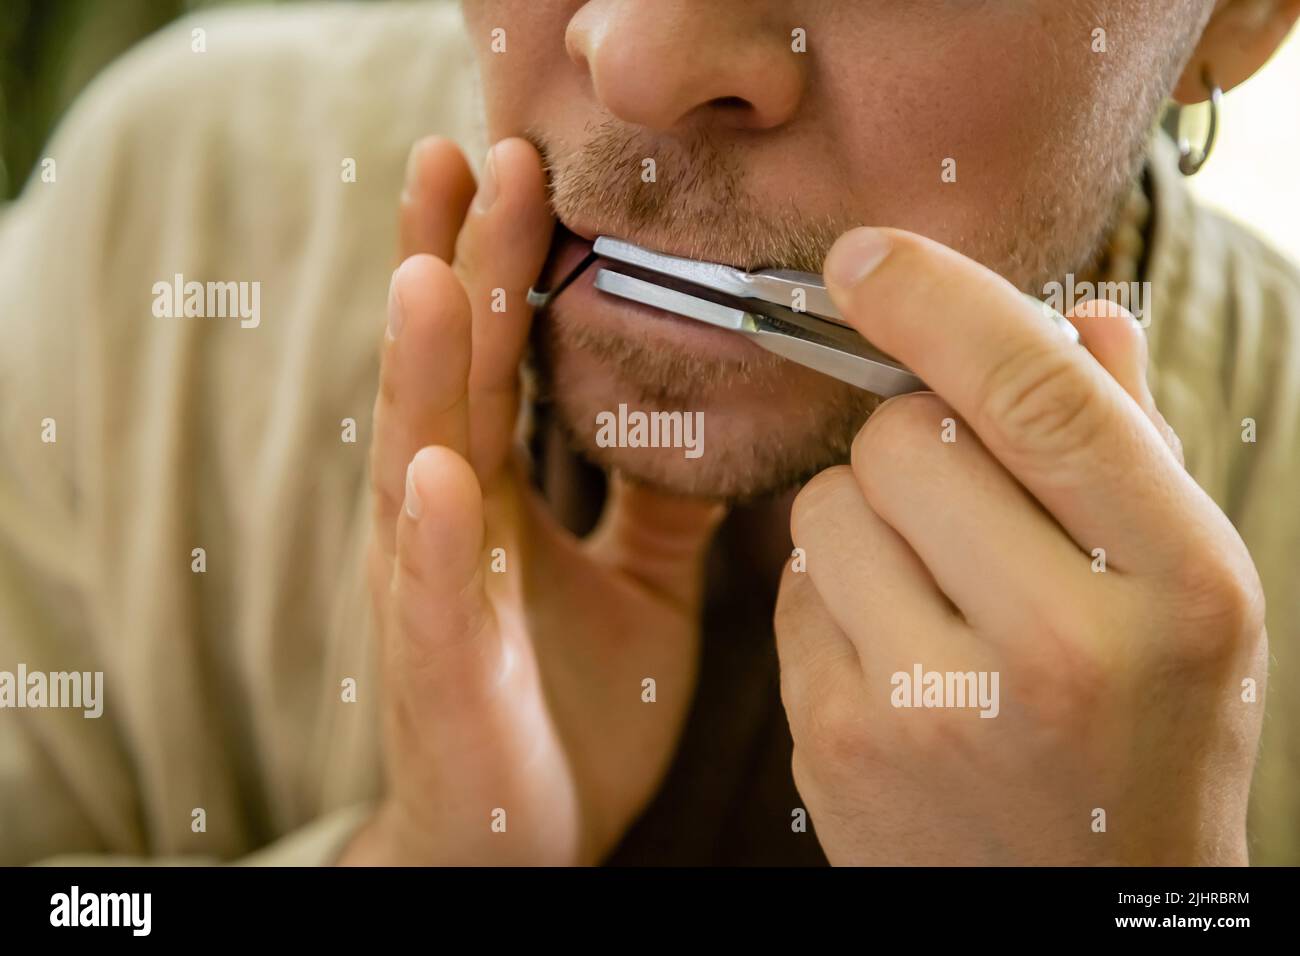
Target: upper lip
587,232
581,230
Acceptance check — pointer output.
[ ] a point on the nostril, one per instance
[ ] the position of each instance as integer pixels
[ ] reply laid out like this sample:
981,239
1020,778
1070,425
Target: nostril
731,103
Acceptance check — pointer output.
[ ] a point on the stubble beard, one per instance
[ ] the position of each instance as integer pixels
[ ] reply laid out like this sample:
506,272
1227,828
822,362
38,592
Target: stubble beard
771,425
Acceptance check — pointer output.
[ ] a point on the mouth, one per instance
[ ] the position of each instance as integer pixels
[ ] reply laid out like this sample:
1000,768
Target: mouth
570,272
568,250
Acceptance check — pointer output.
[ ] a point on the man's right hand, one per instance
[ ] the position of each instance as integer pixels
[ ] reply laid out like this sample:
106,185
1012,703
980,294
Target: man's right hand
511,698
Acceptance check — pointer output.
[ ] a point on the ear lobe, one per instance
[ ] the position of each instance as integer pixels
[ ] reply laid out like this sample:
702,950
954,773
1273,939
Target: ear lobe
1238,40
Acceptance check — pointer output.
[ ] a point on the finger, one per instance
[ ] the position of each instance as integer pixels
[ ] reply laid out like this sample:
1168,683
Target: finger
499,253
422,381
657,539
1112,335
874,585
817,660
1042,406
1116,340
441,642
991,548
435,195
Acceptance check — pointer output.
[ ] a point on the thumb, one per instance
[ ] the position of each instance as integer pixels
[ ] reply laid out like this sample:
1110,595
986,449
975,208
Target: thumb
656,538
1116,340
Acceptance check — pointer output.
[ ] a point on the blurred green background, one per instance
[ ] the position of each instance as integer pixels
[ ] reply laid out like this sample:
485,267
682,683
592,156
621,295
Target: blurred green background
49,50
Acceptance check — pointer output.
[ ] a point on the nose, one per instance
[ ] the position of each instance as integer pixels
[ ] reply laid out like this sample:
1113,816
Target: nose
663,63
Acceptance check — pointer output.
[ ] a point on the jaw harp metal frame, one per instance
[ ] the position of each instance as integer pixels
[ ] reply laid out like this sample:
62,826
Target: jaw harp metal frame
758,305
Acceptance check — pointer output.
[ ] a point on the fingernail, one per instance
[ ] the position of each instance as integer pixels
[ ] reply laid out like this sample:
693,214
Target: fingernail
412,504
412,169
855,256
487,185
1143,344
394,307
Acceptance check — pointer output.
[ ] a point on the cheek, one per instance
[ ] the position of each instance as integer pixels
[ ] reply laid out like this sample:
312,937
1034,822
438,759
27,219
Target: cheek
519,46
978,117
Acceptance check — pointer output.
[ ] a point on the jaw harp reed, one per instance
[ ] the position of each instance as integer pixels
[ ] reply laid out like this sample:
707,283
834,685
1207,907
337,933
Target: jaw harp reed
759,305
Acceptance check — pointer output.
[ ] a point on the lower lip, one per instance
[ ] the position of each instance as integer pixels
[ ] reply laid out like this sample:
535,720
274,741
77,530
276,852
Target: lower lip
585,303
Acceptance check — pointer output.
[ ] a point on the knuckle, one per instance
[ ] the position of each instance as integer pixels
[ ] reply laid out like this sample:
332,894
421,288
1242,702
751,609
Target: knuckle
792,600
822,492
799,613
1041,398
897,420
947,735
794,685
804,779
900,425
834,731
449,638
1063,681
1218,596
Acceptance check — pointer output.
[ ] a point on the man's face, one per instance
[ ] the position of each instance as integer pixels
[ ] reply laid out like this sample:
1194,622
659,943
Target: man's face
763,155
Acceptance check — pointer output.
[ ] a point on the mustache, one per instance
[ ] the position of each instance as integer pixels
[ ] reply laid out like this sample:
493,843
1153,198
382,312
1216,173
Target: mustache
697,199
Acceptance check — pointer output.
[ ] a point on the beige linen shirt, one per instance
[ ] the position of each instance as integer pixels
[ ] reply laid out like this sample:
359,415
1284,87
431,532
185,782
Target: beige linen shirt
224,689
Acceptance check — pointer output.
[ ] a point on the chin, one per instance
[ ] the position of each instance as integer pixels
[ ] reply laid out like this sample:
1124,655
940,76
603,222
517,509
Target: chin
732,421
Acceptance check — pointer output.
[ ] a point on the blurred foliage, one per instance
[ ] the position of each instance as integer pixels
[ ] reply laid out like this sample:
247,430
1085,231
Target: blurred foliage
49,51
